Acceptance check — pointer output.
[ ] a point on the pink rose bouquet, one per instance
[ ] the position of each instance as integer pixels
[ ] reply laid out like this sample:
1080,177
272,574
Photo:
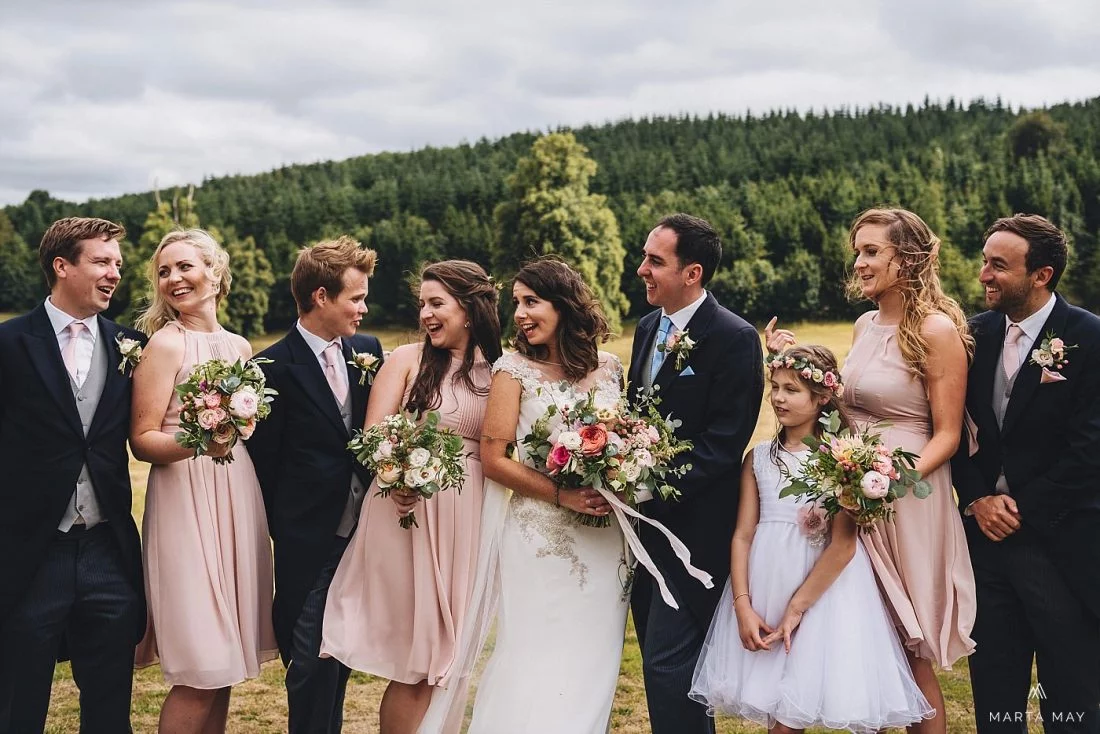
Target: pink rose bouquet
222,402
409,456
853,472
597,441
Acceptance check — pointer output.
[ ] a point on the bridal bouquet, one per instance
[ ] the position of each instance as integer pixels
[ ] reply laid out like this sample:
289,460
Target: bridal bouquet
222,402
598,442
855,472
403,455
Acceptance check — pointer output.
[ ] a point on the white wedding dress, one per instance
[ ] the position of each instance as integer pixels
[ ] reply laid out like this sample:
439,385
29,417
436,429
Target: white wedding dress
560,592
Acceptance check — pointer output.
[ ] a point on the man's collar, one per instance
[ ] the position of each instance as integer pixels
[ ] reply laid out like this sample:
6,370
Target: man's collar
315,343
680,319
60,320
1033,324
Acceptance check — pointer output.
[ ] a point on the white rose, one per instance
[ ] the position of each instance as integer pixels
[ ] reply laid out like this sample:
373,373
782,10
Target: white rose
388,475
385,449
419,476
570,440
1044,358
875,486
244,403
630,471
419,458
435,466
644,458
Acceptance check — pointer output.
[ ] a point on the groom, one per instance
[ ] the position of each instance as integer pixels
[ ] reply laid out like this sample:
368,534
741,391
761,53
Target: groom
709,375
312,487
70,557
1029,488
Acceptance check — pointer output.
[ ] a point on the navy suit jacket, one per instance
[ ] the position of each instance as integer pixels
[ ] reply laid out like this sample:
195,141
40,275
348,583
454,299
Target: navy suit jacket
43,448
1048,445
304,467
718,406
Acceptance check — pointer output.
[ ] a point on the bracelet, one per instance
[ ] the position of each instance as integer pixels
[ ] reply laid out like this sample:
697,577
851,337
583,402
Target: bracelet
744,593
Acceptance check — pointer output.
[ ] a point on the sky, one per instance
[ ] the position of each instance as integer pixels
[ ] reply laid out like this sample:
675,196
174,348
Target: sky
105,97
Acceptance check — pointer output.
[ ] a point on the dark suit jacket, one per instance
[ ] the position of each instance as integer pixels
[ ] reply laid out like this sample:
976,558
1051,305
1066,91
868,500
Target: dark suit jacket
43,447
301,458
718,407
1049,444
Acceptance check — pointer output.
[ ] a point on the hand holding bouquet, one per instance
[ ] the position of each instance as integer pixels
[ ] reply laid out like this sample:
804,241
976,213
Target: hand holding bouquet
599,442
222,402
423,459
856,473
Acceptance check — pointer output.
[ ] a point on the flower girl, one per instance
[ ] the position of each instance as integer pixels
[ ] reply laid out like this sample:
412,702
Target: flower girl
801,637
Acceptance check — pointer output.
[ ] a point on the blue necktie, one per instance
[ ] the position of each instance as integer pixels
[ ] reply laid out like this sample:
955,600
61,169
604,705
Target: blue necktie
659,355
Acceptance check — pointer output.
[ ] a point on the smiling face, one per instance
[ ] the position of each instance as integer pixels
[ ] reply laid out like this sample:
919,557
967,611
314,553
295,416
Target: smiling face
183,278
339,314
84,288
536,318
442,317
668,284
1009,287
877,263
793,402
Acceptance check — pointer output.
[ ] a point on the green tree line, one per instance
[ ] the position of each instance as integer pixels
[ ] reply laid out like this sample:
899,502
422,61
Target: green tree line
781,188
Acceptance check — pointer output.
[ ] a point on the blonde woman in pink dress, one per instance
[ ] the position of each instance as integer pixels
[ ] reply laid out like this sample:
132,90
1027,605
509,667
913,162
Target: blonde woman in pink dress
907,367
398,600
208,574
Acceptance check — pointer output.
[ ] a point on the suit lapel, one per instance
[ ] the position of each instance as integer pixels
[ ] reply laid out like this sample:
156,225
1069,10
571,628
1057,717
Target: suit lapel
359,393
643,337
697,330
987,352
116,383
45,355
306,370
1030,375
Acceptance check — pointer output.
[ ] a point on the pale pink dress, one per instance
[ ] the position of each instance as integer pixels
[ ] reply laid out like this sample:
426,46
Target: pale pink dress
399,597
920,557
208,574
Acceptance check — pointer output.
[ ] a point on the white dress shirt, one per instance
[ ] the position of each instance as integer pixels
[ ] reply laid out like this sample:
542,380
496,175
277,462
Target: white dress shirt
317,345
680,319
60,321
1032,328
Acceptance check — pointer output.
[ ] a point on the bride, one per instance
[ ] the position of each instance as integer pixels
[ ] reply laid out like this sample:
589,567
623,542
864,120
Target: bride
559,589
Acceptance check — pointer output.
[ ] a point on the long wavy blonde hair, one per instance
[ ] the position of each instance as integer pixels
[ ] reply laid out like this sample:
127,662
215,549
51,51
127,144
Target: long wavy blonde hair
214,257
916,251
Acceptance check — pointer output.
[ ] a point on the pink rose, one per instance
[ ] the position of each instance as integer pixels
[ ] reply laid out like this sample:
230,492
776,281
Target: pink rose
1057,345
593,439
807,373
247,429
882,466
830,380
557,458
875,485
211,399
244,403
812,519
225,433
652,434
198,402
208,419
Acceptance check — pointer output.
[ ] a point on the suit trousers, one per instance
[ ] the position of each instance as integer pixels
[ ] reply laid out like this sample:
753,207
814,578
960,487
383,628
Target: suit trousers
315,686
81,597
1026,611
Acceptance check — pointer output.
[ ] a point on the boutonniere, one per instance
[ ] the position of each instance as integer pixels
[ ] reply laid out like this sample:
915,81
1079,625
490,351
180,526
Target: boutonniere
130,349
1051,356
679,346
367,364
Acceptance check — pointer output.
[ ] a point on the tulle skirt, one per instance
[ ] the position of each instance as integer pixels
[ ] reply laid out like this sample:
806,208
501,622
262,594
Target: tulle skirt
846,668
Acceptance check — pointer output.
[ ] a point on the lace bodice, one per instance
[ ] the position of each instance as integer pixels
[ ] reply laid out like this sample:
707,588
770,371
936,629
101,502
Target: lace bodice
770,480
540,392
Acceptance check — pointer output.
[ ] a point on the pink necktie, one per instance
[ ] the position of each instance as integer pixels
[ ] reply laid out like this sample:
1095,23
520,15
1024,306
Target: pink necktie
333,359
68,354
1010,355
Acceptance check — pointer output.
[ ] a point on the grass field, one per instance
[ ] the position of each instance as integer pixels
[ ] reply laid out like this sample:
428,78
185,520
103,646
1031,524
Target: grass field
260,705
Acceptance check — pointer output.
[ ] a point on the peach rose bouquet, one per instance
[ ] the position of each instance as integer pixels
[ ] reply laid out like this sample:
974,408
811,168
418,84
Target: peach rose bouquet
854,472
222,402
597,441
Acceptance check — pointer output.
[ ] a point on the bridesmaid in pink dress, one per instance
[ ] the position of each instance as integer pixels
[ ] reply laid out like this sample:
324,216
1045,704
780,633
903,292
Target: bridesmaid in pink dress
398,599
208,574
908,367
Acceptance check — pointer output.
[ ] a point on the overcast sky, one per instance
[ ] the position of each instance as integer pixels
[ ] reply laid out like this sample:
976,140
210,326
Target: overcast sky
99,98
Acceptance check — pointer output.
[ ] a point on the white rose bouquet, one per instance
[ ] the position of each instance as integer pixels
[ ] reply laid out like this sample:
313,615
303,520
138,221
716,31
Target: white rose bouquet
410,456
222,402
856,473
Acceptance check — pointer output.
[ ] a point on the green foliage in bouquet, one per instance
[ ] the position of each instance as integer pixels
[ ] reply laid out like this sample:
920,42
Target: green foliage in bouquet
222,402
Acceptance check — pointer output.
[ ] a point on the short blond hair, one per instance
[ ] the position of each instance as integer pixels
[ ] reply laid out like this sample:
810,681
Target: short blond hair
64,236
214,257
322,266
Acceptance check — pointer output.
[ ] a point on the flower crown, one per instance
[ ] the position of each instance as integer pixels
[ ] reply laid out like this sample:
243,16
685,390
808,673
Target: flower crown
807,370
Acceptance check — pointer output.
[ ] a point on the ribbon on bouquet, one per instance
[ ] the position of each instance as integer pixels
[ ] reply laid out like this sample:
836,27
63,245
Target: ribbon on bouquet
620,509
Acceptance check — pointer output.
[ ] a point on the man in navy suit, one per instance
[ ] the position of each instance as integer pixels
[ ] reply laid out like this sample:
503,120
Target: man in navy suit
1030,487
70,574
709,375
313,489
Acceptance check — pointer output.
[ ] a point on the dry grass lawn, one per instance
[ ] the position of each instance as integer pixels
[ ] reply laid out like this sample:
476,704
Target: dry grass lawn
260,705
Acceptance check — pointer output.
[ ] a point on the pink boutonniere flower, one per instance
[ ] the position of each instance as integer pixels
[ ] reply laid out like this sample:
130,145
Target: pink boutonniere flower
1051,356
679,345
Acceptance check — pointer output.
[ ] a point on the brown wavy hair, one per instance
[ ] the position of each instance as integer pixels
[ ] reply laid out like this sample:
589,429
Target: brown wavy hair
582,326
916,250
824,359
475,292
